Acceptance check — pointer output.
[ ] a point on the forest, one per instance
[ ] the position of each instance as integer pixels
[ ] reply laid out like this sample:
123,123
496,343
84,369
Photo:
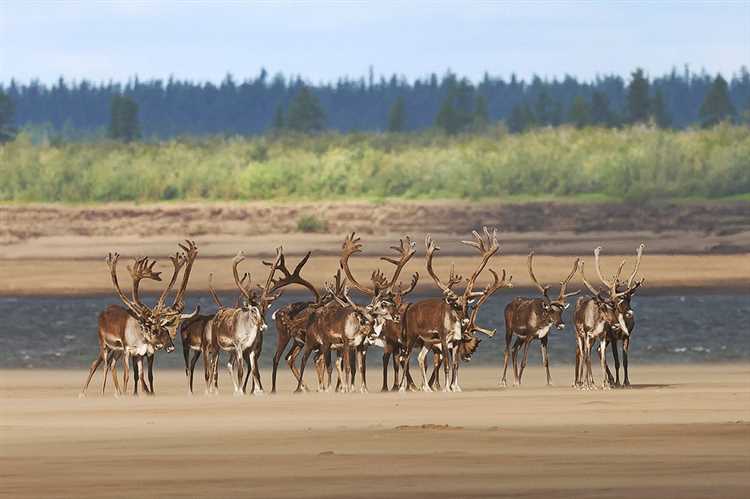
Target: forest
80,110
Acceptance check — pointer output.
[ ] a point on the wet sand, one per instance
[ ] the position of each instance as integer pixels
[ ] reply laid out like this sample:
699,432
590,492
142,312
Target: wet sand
681,431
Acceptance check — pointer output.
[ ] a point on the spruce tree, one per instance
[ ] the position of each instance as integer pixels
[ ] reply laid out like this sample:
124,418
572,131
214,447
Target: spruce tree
717,106
305,113
638,98
7,112
123,123
659,110
600,112
396,116
278,118
579,114
481,113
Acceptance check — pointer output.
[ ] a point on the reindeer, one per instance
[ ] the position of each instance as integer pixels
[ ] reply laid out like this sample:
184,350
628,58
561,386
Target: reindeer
138,330
193,335
389,338
593,316
291,322
532,318
615,332
239,330
451,319
344,326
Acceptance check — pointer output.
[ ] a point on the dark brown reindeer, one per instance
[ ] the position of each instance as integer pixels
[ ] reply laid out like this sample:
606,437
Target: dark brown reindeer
449,320
294,320
193,335
532,318
390,338
291,323
594,315
138,330
344,326
616,333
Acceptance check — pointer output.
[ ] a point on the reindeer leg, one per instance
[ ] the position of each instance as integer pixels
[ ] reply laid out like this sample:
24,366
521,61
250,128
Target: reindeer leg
235,357
361,369
525,358
437,362
256,375
108,357
455,387
208,368
291,359
448,361
280,347
305,356
249,373
403,384
150,361
118,391
602,361
191,369
423,368
625,348
506,354
578,374
545,359
386,358
396,368
587,359
616,356
516,347
364,369
125,371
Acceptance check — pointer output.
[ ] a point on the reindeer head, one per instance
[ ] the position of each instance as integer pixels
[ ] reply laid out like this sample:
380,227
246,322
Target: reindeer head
620,293
466,306
386,298
256,302
552,310
159,323
468,346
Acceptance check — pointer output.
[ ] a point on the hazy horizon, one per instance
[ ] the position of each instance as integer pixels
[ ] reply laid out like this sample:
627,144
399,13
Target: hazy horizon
325,41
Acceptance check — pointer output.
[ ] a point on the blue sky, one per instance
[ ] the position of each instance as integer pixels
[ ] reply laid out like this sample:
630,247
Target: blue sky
325,40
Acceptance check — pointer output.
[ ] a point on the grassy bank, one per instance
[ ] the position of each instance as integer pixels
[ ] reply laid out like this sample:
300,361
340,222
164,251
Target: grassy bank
627,164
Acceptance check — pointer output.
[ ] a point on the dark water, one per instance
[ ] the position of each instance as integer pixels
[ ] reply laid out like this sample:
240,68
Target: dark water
61,332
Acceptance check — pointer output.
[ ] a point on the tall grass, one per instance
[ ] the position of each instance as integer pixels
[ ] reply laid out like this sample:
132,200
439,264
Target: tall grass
627,164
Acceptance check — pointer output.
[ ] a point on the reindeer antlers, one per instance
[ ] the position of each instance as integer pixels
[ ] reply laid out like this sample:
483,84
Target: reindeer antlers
351,246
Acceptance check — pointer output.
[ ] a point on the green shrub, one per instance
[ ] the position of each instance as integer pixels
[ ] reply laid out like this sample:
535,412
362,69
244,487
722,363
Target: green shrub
310,223
635,164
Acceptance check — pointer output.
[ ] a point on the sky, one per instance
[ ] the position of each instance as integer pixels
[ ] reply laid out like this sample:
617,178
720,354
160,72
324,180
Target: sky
322,41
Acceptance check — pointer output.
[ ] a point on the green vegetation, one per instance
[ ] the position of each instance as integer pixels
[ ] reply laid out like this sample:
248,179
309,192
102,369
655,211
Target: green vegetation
311,223
636,163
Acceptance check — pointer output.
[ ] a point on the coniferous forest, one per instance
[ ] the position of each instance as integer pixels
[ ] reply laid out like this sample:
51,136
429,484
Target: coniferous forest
171,108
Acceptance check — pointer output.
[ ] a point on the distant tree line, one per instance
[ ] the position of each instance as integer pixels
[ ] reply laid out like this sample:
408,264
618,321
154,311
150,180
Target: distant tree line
163,109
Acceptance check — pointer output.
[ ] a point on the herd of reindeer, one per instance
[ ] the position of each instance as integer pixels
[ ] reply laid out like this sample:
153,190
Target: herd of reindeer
330,321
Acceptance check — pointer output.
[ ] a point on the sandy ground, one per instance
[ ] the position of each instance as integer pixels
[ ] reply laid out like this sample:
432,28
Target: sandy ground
663,273
52,249
681,431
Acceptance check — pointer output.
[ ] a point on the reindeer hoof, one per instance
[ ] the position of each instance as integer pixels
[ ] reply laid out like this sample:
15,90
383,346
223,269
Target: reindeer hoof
426,388
457,389
81,395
